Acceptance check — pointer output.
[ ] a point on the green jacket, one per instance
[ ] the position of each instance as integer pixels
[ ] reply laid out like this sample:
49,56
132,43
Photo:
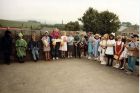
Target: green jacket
21,46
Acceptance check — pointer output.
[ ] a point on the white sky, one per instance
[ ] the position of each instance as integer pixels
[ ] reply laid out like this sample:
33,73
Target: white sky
54,11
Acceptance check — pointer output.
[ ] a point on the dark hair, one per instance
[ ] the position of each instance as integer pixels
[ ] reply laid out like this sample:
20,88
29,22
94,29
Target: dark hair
7,32
111,36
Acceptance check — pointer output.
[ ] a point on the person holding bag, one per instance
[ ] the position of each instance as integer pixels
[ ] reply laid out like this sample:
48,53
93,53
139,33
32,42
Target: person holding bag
119,45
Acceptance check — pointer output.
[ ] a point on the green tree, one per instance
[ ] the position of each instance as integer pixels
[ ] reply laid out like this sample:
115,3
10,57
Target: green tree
108,22
72,26
104,22
90,20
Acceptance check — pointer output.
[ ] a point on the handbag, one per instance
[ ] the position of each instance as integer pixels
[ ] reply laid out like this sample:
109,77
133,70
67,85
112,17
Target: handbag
116,57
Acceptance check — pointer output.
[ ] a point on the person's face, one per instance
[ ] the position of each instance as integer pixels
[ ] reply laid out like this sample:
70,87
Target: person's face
111,37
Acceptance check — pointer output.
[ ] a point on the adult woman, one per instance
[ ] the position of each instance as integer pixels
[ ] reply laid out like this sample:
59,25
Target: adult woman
7,46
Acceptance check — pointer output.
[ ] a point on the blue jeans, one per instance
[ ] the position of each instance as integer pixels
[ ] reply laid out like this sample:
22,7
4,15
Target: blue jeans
132,62
35,54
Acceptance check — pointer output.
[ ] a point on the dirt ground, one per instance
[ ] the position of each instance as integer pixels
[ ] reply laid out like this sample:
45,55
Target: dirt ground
65,76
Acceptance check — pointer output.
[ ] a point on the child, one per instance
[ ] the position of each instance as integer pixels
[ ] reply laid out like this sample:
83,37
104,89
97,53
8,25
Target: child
118,50
90,45
103,45
63,46
55,35
34,47
70,45
96,46
46,45
21,46
110,50
133,53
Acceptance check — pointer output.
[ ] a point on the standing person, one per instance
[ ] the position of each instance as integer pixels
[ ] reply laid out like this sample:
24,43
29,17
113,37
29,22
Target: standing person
21,46
103,46
123,56
133,53
7,46
34,46
119,45
96,46
55,35
82,44
77,41
46,45
86,46
110,50
70,45
63,46
90,44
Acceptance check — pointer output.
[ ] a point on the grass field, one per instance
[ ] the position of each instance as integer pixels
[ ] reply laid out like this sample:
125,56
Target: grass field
20,24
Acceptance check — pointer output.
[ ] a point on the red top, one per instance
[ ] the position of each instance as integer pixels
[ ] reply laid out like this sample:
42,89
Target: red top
118,49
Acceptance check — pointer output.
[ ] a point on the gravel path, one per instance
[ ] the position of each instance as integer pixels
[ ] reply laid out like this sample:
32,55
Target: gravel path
65,76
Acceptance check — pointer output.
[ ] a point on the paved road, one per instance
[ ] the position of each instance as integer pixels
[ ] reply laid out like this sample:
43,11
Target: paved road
65,76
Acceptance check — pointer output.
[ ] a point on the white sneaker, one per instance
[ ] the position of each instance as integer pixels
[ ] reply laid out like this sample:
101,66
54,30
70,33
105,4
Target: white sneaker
57,58
89,57
117,66
53,58
71,56
68,56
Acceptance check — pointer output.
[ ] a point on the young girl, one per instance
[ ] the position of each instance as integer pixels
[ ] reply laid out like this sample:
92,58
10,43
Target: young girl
70,45
90,45
96,46
55,35
110,50
118,50
46,45
63,46
34,47
21,46
103,45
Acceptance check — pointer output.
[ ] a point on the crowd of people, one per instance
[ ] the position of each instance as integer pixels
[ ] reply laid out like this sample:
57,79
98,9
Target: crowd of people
107,48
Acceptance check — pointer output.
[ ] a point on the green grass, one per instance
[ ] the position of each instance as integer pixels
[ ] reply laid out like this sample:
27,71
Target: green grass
19,24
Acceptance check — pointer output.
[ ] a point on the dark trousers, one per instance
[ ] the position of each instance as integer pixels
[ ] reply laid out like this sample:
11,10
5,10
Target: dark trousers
7,58
55,50
109,60
21,59
77,51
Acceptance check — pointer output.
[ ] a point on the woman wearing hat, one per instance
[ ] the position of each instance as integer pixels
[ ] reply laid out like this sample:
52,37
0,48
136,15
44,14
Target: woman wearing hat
46,45
21,46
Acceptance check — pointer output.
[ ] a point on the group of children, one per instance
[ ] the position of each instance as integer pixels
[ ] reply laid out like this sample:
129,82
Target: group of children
58,44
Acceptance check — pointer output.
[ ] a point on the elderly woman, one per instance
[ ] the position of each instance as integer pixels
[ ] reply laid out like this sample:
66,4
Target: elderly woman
21,46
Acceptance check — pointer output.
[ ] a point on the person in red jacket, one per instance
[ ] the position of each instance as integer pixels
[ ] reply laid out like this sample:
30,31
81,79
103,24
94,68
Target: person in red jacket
119,45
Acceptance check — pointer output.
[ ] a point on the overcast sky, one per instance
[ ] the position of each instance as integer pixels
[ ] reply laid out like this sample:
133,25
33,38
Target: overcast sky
54,11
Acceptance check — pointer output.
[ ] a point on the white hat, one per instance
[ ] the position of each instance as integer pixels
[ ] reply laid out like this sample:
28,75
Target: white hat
46,32
113,34
20,34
